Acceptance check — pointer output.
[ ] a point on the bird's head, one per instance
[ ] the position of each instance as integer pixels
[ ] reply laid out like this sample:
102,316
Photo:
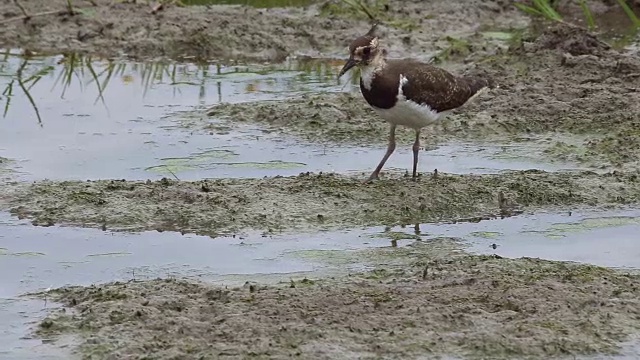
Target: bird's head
363,50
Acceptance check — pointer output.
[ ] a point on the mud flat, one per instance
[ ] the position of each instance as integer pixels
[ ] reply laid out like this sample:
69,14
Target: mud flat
433,301
114,28
309,201
431,298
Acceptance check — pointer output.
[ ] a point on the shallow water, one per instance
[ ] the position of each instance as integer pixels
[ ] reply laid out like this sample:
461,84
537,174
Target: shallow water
53,257
50,257
604,239
137,105
126,129
57,256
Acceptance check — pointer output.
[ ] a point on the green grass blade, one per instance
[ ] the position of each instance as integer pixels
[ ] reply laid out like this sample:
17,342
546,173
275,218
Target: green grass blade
111,69
547,10
35,81
632,16
591,23
42,72
26,91
95,77
8,91
528,9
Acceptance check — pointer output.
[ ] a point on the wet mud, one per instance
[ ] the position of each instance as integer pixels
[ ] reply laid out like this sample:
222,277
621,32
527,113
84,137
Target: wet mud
310,201
475,307
558,83
116,28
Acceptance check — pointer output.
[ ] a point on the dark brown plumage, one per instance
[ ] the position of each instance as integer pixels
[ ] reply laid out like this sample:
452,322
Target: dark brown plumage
426,85
407,92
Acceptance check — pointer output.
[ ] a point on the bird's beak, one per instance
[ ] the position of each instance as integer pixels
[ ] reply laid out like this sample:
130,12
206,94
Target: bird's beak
347,66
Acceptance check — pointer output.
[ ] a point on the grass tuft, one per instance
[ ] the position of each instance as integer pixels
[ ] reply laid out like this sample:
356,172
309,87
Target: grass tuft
545,9
632,16
540,8
588,15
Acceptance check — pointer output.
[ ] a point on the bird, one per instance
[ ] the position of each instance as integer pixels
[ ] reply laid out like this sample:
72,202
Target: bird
407,92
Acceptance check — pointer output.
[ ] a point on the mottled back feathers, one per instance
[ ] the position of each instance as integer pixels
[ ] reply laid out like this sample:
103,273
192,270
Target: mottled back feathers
425,85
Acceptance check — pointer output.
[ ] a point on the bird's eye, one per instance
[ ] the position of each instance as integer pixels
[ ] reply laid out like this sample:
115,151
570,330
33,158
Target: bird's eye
366,51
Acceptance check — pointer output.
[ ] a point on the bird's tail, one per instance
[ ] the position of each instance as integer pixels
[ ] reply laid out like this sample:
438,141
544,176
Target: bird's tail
477,83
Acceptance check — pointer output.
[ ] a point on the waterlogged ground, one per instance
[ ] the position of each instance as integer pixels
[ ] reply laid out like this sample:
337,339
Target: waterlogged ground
476,304
115,28
226,199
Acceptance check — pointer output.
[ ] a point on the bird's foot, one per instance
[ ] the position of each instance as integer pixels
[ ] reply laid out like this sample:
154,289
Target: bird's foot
371,178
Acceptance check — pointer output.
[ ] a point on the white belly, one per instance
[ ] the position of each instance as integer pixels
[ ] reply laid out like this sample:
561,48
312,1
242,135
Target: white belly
410,114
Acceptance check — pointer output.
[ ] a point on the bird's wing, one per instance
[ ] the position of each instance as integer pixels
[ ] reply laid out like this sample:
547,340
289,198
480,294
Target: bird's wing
429,85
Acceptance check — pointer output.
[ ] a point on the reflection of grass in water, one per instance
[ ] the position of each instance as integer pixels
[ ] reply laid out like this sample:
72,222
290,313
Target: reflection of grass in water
86,71
25,82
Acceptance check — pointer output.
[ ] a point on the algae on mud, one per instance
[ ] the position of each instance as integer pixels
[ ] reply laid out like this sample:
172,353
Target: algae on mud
309,201
475,306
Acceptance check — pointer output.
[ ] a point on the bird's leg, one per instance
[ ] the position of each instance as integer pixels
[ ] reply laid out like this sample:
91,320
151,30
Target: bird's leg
390,148
416,149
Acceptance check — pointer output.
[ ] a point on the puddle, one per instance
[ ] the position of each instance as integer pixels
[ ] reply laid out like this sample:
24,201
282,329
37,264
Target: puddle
136,106
18,317
53,256
589,237
80,121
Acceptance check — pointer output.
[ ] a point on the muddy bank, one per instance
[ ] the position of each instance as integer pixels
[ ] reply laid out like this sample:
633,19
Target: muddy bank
308,201
561,82
239,32
435,301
